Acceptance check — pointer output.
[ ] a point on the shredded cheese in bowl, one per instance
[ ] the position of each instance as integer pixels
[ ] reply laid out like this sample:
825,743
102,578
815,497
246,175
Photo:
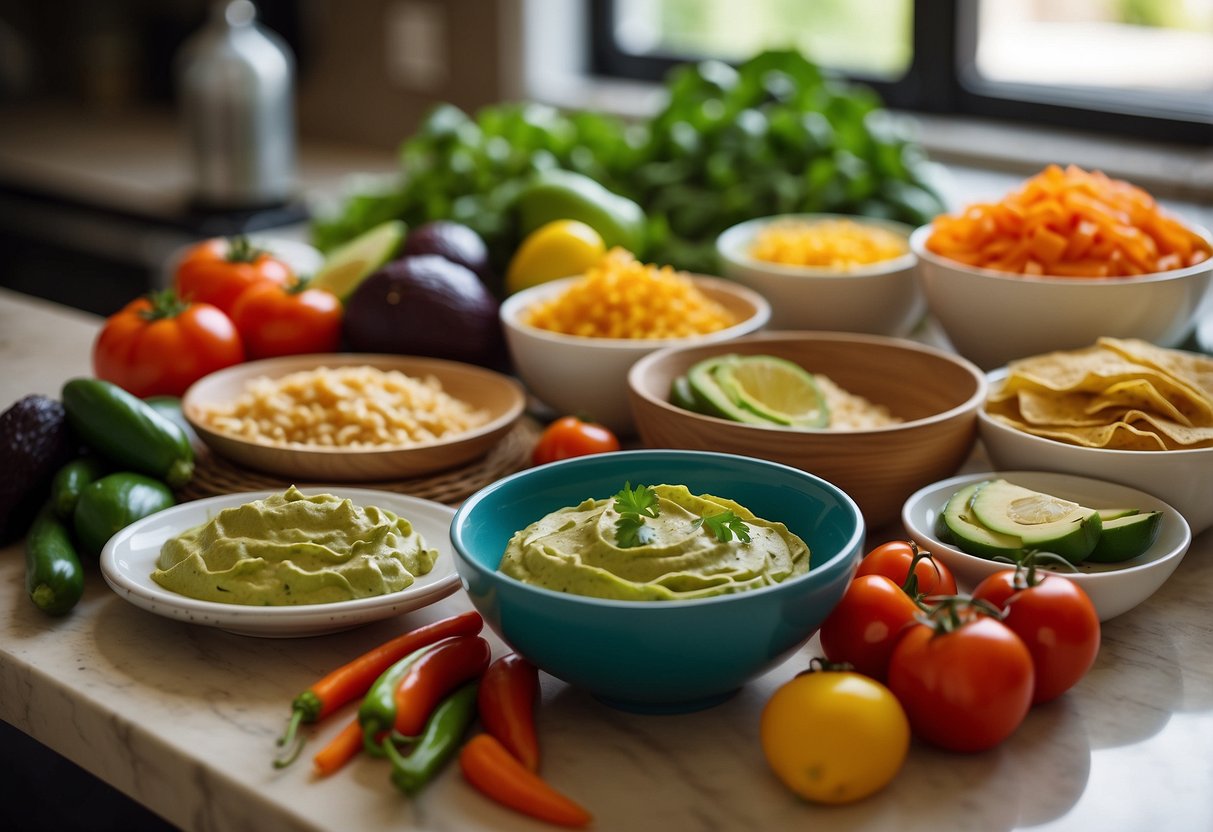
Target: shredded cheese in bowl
620,297
829,244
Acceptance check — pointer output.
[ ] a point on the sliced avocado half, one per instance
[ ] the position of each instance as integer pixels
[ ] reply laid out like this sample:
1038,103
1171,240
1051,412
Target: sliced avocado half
971,536
1126,537
351,263
1040,520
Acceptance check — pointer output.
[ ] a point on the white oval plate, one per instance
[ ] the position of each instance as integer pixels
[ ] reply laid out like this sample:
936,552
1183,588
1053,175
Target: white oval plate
129,558
1114,588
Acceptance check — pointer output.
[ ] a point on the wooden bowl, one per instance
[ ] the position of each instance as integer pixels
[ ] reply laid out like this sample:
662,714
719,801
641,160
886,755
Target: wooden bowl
500,396
937,394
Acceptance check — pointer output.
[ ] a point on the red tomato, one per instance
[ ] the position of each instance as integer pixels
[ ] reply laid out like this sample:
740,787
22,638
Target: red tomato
866,625
963,690
569,436
218,271
159,345
278,320
1057,622
893,560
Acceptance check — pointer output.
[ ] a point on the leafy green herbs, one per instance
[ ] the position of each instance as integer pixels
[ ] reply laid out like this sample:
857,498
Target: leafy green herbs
634,505
725,526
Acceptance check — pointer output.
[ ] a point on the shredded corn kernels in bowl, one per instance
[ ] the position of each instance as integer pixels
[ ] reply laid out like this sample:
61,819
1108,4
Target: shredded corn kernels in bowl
620,297
834,244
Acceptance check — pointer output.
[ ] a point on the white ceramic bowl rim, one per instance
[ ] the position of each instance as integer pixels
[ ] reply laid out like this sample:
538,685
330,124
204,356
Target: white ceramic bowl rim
918,245
856,539
733,242
996,376
953,484
346,359
512,307
975,400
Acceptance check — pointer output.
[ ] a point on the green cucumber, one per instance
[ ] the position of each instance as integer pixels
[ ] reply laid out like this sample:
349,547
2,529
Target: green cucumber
70,480
54,578
127,431
114,502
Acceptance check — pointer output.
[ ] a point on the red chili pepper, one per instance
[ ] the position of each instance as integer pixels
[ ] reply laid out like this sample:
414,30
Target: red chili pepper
353,679
508,693
496,774
433,676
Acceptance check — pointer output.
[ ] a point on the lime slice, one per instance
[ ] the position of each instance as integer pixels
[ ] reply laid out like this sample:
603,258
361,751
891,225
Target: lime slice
775,389
348,265
703,380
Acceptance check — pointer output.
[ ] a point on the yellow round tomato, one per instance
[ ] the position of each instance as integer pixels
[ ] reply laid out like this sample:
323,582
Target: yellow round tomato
559,249
834,736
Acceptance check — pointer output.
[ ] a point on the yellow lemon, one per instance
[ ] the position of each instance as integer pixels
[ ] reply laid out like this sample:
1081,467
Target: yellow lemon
559,249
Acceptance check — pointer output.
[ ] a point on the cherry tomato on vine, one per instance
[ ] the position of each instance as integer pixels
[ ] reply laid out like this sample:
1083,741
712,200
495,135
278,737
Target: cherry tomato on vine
287,320
964,679
833,736
218,271
893,560
159,345
1056,621
866,625
569,436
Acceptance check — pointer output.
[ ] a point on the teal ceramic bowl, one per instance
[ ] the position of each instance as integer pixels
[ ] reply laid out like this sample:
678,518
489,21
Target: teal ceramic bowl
658,656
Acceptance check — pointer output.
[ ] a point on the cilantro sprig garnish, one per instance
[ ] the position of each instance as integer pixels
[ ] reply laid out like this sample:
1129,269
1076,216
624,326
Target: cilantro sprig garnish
634,505
725,526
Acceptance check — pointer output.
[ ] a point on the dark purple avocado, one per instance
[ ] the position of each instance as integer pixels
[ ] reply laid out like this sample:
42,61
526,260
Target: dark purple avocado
426,305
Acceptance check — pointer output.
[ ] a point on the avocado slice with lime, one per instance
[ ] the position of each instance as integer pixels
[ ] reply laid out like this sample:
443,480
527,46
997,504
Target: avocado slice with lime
775,389
1040,520
1126,537
969,535
703,378
349,264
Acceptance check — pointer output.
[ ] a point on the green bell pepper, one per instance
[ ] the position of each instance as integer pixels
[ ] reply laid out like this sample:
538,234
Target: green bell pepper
564,195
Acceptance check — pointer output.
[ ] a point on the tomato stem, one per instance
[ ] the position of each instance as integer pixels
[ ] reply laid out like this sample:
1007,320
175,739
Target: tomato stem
165,304
241,250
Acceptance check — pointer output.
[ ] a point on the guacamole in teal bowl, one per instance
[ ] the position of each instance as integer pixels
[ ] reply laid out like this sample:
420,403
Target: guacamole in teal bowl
657,580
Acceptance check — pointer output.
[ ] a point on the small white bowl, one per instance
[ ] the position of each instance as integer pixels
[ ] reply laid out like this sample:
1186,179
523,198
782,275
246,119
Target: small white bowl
994,317
1114,588
500,396
588,376
1182,478
129,558
879,299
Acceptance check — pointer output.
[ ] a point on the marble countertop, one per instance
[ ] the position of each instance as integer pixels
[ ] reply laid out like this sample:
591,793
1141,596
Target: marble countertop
183,718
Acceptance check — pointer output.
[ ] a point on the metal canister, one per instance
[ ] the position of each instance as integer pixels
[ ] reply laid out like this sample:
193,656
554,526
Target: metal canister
235,81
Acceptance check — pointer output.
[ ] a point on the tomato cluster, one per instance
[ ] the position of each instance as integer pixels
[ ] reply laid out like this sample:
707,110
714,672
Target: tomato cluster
230,301
966,668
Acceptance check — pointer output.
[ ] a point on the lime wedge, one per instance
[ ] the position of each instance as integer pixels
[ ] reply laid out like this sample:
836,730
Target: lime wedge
349,264
775,389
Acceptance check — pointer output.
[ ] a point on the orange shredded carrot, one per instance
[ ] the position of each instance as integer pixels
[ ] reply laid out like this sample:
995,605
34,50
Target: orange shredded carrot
1070,223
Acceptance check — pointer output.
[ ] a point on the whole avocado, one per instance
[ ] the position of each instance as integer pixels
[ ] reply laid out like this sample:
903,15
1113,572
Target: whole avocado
426,305
34,444
454,241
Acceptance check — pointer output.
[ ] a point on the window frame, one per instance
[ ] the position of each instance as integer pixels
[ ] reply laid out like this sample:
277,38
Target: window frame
941,80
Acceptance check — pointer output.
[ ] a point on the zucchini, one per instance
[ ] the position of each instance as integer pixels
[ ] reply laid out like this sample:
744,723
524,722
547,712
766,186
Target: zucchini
69,481
125,430
54,578
112,503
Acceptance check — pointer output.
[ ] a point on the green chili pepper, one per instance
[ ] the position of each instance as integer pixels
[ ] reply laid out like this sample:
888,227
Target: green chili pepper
377,713
438,742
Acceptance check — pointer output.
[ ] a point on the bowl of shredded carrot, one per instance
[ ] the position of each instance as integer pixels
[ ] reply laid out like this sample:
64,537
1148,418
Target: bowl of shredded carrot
827,271
573,340
1069,256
